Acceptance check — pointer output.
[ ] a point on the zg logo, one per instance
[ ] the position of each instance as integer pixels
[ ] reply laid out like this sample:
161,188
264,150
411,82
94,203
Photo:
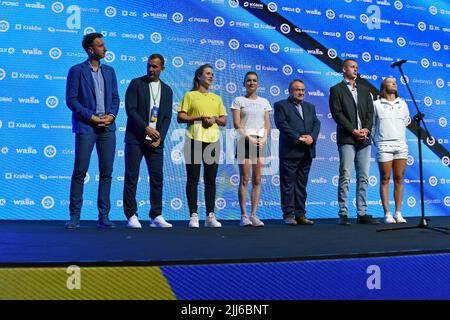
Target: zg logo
4,26
176,203
156,37
233,44
433,181
440,83
275,180
177,62
220,64
55,53
287,70
110,12
221,203
50,151
231,87
110,56
366,56
57,7
274,91
2,74
436,46
272,7
219,22
48,202
332,54
401,41
177,17
411,201
233,3
274,47
428,101
285,28
433,10
234,180
330,14
422,26
52,102
425,62
350,36
398,5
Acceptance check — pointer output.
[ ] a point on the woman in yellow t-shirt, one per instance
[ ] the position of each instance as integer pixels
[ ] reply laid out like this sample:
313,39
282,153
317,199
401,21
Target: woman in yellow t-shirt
204,112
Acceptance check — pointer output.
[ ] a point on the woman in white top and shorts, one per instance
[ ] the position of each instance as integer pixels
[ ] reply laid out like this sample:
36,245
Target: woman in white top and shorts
391,119
251,119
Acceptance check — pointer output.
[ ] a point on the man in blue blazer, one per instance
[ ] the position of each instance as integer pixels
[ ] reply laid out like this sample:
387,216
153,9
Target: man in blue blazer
148,104
92,95
299,130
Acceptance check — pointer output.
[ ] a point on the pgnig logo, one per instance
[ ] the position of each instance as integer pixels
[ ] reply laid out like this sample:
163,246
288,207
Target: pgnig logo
221,203
330,14
50,151
156,37
411,201
48,202
2,74
274,47
287,70
110,56
4,26
55,53
110,12
219,22
366,56
274,91
177,17
272,7
433,181
176,203
332,54
57,7
233,44
177,62
52,102
220,64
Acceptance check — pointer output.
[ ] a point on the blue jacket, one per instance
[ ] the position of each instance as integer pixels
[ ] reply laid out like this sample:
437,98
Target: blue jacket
80,96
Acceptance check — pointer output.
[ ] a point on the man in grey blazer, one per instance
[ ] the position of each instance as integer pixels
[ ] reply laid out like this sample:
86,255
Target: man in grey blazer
299,130
352,108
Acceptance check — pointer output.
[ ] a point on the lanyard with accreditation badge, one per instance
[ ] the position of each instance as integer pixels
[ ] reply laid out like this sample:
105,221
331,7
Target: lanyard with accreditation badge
154,107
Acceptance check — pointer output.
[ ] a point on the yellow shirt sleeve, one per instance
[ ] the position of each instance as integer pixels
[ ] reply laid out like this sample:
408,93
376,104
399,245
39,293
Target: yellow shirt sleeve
185,103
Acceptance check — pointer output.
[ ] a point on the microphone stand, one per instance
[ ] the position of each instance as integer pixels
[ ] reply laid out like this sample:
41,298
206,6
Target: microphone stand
418,118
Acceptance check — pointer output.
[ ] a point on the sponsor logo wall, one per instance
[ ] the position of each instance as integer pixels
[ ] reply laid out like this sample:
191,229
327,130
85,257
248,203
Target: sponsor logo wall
41,40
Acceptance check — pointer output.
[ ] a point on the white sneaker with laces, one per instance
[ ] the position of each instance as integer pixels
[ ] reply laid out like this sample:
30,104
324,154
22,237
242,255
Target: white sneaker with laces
193,222
256,222
398,217
159,222
245,222
134,223
211,221
388,219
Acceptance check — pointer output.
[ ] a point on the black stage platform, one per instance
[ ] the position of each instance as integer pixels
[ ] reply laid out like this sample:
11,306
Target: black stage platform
47,242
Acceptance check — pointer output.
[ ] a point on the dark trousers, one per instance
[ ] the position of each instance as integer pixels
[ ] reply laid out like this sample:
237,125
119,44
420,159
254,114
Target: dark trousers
196,153
293,182
154,160
105,142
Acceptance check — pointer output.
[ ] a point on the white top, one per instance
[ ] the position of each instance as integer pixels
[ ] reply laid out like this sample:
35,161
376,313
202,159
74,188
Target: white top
390,121
252,114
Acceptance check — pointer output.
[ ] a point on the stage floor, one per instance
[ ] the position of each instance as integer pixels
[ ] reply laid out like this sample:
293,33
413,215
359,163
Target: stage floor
48,243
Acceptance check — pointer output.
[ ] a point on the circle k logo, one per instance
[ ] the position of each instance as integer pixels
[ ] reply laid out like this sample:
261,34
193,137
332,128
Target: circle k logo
272,7
411,201
219,22
231,87
433,181
52,102
233,3
285,28
275,91
221,203
366,56
50,151
330,14
176,203
177,62
350,36
401,41
398,5
5,150
332,54
433,10
220,64
428,101
156,37
275,180
422,26
287,70
110,56
88,30
55,53
425,62
48,202
233,44
110,12
4,25
177,17
274,47
443,122
57,7
2,74
436,46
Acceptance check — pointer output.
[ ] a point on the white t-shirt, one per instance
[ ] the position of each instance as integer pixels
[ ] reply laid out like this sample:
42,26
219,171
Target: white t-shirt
155,100
252,114
390,121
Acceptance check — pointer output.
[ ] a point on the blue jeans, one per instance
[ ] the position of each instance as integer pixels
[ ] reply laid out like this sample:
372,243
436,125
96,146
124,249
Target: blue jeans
360,156
106,147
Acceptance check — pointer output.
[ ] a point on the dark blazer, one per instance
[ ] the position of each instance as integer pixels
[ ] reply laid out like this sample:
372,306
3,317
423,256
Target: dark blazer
343,110
291,126
80,96
137,106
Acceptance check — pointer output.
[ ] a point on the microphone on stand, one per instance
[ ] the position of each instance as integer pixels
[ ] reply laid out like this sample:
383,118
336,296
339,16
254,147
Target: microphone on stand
398,63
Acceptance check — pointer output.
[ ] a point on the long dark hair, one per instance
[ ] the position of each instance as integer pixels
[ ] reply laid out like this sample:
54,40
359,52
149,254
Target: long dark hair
198,73
383,88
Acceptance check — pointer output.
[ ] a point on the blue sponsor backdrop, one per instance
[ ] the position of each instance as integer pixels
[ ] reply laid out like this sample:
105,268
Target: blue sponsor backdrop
281,40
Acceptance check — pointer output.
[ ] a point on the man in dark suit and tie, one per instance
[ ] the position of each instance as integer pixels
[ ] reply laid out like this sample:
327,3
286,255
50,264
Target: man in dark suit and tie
148,104
352,108
92,95
299,129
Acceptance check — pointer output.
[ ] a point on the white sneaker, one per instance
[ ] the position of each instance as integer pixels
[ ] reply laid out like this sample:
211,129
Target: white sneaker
398,217
134,223
388,219
159,222
193,222
211,221
245,222
256,222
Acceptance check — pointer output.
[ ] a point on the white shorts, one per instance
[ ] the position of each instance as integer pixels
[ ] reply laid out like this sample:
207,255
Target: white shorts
392,152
